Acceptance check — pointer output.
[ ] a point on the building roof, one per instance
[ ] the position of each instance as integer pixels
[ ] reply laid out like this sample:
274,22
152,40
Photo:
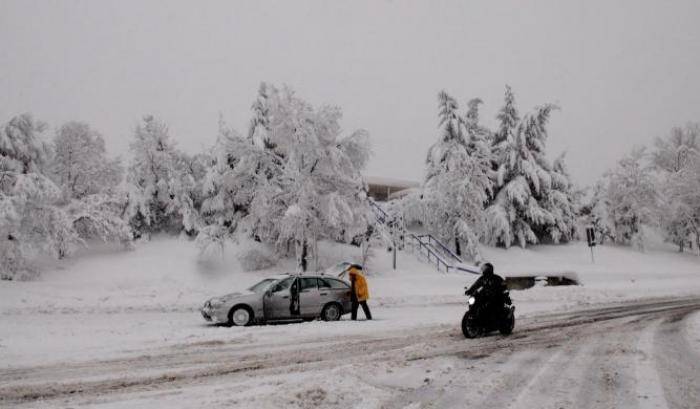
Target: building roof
396,183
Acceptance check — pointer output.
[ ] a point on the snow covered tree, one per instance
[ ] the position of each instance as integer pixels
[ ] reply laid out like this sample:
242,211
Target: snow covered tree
80,165
318,192
291,182
451,202
595,213
162,198
239,168
508,119
533,200
561,202
30,220
523,176
88,180
675,160
631,199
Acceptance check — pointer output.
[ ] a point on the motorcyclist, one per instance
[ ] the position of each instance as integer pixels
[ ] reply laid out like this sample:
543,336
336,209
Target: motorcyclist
490,286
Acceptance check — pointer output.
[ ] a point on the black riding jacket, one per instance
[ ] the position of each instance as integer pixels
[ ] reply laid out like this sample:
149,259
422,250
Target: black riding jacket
491,286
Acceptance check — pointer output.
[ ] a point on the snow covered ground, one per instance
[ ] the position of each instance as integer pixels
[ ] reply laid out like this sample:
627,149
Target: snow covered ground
115,305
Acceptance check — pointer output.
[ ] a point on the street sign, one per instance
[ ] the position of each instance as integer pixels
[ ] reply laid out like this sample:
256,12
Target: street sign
590,237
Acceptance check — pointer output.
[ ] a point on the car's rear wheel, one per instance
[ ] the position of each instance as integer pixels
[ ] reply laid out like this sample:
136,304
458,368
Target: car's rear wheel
331,312
241,316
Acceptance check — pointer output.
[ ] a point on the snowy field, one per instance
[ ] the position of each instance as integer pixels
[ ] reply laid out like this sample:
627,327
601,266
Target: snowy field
116,305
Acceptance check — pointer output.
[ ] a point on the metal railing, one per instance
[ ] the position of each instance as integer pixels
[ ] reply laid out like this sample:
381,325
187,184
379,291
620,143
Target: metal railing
382,216
431,245
430,251
432,240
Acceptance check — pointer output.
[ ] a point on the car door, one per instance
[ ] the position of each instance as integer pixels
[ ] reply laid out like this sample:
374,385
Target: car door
336,291
309,298
278,302
325,292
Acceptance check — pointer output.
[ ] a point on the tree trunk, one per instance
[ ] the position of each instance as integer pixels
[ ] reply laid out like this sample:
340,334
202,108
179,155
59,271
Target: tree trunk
458,249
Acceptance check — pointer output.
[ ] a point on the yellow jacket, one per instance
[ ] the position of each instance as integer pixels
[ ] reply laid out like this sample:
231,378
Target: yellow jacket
361,290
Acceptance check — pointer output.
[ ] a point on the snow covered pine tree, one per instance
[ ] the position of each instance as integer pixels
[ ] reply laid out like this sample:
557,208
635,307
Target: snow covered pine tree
532,200
162,191
450,204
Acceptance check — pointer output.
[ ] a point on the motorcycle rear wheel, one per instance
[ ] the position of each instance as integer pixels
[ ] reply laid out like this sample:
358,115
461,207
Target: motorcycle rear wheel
507,325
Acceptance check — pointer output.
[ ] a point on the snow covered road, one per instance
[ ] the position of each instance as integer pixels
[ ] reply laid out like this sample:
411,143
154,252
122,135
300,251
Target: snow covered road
638,354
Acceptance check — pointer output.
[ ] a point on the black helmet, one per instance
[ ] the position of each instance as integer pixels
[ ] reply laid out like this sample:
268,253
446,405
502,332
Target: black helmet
487,269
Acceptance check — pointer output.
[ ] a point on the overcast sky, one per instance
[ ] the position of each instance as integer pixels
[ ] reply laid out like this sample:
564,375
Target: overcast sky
622,71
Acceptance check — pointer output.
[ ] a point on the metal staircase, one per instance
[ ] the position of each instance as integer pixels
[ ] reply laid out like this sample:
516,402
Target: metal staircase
393,232
428,246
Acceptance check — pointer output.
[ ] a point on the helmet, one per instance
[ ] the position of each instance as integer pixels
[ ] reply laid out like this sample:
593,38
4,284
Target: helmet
487,269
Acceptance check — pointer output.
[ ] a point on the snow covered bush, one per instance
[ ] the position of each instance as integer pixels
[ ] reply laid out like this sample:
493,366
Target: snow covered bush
97,216
257,258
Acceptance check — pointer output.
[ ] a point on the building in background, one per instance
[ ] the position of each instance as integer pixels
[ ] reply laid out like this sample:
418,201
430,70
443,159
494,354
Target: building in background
383,189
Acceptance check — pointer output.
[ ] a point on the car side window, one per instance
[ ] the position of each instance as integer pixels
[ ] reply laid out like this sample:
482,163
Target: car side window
283,285
337,284
323,283
308,283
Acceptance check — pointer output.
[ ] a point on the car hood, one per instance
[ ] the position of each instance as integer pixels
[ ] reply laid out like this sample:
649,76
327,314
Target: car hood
238,295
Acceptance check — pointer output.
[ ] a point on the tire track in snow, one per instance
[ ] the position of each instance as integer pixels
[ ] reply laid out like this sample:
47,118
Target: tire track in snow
197,365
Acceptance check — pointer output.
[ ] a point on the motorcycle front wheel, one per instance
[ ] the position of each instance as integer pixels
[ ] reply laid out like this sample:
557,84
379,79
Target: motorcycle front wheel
469,327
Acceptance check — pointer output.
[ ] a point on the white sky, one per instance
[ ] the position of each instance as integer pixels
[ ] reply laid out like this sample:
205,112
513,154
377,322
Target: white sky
623,71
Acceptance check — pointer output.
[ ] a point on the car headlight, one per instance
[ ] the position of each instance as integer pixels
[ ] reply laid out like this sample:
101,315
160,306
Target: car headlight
471,300
216,302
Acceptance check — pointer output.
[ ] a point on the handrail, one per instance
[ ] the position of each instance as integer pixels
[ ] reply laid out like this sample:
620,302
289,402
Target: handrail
376,207
466,270
438,258
444,248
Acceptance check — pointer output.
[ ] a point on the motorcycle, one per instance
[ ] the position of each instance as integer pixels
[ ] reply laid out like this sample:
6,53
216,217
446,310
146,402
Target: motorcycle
480,318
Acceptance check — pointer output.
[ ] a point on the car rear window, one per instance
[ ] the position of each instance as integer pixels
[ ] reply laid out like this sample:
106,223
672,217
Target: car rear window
307,283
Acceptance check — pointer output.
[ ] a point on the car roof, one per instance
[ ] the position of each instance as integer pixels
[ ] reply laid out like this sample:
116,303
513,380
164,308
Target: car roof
305,275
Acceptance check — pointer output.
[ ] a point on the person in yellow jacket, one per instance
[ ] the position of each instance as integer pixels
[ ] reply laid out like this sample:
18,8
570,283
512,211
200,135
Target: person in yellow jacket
359,293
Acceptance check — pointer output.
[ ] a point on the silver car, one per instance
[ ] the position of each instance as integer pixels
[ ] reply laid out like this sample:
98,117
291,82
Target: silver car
282,298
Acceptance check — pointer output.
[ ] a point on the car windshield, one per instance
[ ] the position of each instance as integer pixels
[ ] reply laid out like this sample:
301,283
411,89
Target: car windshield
262,286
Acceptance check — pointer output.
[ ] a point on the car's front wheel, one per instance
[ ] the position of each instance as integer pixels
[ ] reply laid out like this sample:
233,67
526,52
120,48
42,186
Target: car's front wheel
331,312
241,316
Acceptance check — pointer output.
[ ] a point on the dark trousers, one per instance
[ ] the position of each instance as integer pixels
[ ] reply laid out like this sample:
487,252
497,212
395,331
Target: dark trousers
365,308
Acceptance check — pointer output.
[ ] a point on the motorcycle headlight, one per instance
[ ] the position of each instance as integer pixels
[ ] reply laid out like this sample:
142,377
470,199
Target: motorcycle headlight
471,300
